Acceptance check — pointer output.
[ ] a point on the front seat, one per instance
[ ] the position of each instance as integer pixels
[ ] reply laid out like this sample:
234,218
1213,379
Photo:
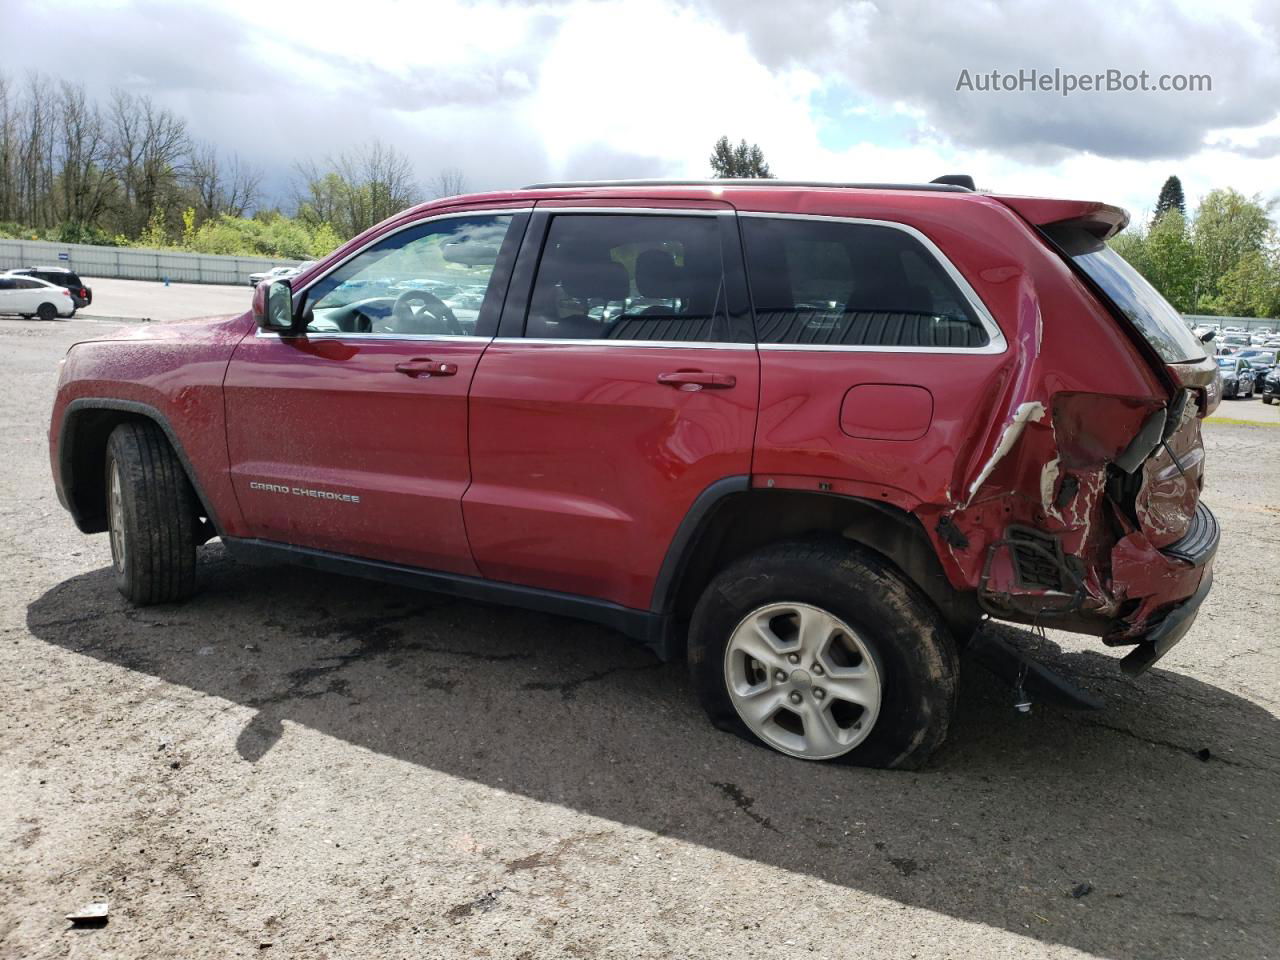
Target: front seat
591,279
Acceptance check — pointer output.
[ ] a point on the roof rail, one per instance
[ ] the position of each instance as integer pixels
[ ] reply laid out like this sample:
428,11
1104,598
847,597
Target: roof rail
935,187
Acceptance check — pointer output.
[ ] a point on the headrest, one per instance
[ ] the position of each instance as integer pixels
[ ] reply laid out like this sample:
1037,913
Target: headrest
595,280
658,276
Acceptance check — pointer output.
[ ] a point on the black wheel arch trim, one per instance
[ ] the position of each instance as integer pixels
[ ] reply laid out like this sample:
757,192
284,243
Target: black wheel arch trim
680,550
66,451
955,607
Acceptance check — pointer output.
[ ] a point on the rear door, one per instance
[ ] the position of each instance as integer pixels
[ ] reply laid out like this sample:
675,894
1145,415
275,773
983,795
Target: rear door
622,384
351,437
877,358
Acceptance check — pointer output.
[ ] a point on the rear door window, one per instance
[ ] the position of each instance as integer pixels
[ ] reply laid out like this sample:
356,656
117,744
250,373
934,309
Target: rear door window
630,277
835,283
1158,322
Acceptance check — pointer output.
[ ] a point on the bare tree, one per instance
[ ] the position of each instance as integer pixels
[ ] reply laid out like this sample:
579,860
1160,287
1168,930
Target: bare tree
379,182
449,182
86,185
221,186
36,126
8,151
148,143
316,193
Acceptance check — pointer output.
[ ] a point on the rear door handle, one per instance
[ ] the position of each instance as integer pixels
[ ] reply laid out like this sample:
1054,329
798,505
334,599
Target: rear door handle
692,380
426,367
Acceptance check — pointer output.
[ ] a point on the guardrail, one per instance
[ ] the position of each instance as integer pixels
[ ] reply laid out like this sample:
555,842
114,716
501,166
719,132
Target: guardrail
130,263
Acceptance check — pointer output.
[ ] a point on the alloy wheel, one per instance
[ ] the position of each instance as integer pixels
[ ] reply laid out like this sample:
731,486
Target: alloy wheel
802,680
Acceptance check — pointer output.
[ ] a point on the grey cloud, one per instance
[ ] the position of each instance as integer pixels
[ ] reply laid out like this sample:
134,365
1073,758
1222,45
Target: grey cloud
200,63
1264,149
913,51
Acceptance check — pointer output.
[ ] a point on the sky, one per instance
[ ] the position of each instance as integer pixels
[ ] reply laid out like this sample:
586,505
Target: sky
513,93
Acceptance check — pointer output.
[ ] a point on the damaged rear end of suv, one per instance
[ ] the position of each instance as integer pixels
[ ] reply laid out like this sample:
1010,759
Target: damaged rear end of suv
1085,512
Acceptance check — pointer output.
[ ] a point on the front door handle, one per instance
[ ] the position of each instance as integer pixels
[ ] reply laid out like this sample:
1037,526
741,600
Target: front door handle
426,367
693,380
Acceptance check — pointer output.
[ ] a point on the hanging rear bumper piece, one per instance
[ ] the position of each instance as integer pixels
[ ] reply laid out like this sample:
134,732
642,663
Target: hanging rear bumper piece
1168,632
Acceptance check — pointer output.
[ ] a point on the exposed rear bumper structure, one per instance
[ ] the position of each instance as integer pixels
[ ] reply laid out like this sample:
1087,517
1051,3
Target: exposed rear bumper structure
1169,631
1197,548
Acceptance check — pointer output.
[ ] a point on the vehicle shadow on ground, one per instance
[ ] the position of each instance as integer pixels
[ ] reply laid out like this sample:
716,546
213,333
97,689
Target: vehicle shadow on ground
1163,804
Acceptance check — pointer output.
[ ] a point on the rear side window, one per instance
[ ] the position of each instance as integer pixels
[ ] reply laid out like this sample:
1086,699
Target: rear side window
59,278
830,283
1157,320
630,277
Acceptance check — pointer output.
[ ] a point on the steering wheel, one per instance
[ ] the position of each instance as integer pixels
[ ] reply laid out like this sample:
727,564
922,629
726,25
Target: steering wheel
427,318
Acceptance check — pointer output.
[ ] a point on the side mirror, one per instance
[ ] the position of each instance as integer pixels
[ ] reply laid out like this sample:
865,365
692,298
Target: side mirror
273,306
1207,336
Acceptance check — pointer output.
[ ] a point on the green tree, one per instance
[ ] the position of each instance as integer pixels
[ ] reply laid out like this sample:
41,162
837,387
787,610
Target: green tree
1170,261
1251,288
1228,225
1171,198
743,161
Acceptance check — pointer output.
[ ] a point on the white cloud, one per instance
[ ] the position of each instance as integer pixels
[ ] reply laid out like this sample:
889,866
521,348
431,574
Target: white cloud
513,92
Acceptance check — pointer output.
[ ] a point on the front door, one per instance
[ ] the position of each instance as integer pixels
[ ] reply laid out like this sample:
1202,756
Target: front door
351,437
622,384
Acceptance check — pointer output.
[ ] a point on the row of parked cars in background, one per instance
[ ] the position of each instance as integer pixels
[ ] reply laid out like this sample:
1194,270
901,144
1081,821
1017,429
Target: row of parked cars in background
279,273
1248,360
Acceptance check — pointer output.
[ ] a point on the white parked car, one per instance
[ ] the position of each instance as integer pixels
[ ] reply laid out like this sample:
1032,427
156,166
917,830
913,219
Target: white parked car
29,297
275,273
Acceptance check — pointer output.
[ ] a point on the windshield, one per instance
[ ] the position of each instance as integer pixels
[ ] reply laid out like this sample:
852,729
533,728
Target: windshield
1158,322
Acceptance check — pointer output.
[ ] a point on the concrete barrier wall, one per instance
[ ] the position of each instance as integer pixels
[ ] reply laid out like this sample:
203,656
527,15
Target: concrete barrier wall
128,263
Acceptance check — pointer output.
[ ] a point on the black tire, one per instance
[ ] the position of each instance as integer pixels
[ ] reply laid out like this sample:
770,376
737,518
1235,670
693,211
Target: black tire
153,528
47,311
912,650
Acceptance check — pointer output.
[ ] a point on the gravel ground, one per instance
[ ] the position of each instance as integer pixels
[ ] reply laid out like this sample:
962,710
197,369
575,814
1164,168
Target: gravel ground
300,765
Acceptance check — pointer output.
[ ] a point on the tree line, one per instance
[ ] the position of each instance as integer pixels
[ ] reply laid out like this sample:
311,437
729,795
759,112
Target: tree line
1221,260
126,171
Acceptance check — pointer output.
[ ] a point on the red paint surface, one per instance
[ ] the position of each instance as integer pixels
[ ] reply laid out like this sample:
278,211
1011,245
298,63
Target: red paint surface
886,411
584,464
336,415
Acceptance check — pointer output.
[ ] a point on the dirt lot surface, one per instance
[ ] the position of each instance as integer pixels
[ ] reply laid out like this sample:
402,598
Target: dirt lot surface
297,765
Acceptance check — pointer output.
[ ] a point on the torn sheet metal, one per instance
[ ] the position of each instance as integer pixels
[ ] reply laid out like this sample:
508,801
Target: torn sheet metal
1026,413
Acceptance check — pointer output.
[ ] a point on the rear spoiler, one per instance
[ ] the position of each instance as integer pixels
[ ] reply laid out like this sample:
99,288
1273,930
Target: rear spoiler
1100,219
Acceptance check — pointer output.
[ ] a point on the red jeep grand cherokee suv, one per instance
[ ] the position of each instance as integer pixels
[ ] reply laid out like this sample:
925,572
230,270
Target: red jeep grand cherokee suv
807,433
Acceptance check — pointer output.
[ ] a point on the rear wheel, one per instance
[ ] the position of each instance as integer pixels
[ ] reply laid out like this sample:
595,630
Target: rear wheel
823,651
47,311
151,515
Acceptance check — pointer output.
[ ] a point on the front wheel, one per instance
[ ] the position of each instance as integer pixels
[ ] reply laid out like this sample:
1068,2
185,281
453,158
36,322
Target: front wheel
824,651
151,516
